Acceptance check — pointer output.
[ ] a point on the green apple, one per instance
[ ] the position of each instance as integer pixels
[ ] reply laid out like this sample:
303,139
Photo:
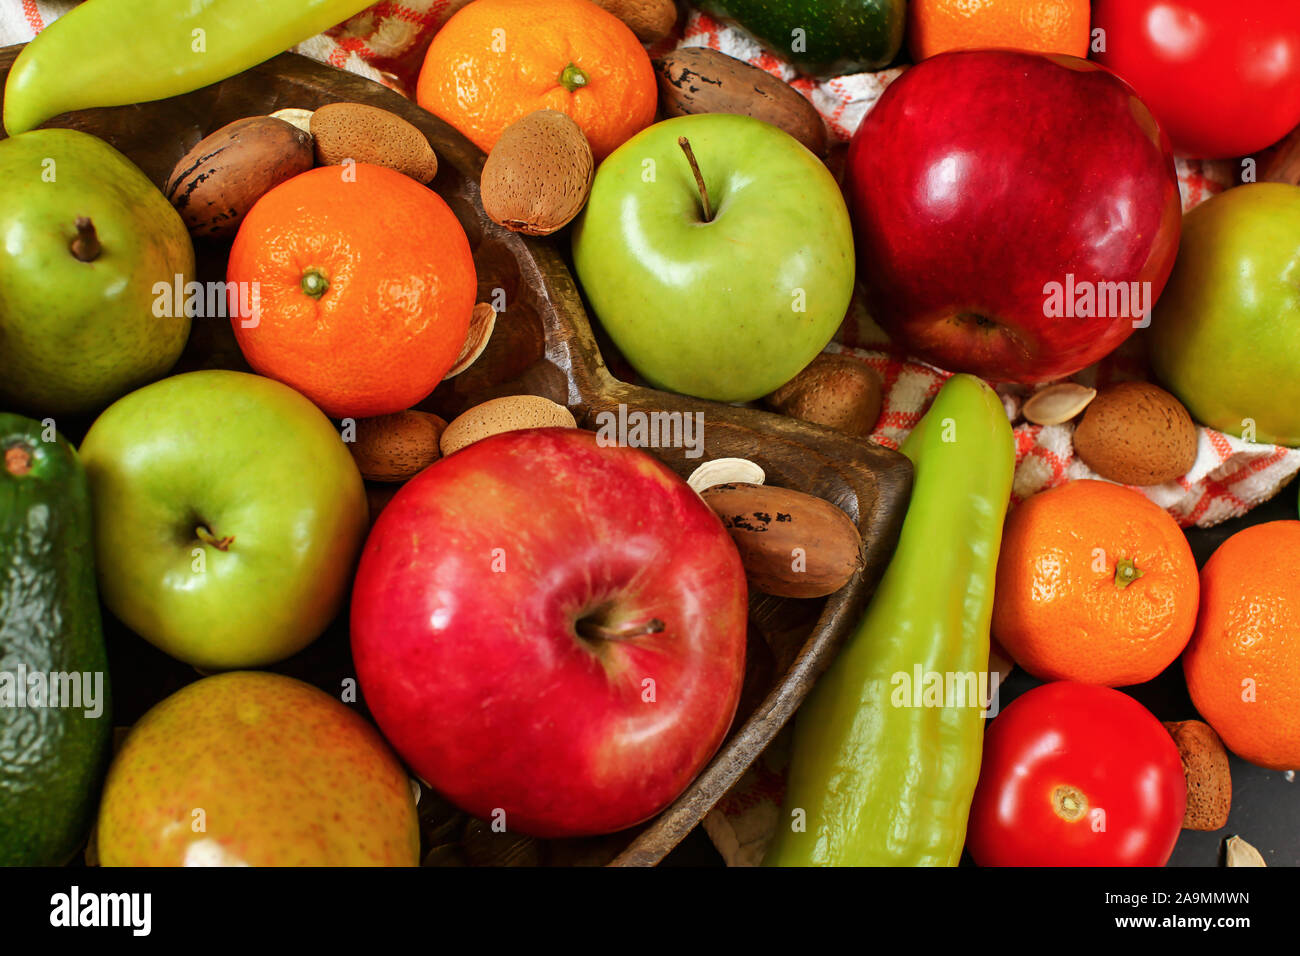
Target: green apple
1225,335
727,305
84,239
228,516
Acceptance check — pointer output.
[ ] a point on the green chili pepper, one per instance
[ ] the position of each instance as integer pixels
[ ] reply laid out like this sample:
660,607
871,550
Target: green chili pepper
117,52
874,778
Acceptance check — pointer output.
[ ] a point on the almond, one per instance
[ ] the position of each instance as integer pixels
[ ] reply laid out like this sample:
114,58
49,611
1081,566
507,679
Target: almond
538,175
791,544
1205,767
367,134
506,414
398,446
650,20
836,391
216,183
1136,433
702,80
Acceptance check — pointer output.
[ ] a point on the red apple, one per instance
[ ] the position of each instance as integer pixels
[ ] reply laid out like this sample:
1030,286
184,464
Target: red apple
1016,214
552,629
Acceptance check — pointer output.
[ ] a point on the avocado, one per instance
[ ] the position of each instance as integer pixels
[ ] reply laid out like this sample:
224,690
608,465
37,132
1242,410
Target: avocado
821,37
55,721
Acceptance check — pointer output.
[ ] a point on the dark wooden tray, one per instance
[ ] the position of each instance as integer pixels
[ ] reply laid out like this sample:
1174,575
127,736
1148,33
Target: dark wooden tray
543,344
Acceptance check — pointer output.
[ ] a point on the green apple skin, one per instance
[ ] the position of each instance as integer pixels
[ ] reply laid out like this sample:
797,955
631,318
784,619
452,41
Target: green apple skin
76,335
711,309
238,456
1225,335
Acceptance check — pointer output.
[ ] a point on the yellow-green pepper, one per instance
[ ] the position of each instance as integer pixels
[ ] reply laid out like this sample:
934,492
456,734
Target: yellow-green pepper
117,52
876,779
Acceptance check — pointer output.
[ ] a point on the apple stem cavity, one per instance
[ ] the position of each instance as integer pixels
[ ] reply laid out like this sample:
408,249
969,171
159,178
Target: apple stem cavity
592,630
685,144
207,537
85,246
573,78
315,283
18,460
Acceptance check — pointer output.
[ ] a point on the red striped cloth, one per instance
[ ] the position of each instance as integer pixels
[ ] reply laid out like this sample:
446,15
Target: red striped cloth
387,42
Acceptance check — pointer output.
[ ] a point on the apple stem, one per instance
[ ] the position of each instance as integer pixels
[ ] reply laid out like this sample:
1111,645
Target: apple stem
592,631
86,245
207,537
18,460
685,144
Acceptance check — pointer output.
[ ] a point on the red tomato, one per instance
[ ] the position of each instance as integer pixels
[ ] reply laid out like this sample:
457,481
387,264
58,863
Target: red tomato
1077,775
1222,78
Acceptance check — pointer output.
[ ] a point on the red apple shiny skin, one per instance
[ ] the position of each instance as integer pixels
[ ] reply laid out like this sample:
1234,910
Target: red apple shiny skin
478,677
982,176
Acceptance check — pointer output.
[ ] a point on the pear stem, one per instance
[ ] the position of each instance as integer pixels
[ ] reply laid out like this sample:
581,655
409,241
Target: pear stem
86,245
685,144
593,631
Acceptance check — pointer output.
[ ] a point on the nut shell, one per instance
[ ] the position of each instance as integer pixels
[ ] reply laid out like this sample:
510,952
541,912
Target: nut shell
791,544
702,80
506,414
218,181
1057,404
1137,434
538,175
367,134
1209,778
396,447
723,471
835,391
650,20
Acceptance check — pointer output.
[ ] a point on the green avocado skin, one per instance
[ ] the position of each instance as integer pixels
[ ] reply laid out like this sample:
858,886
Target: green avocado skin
52,760
839,36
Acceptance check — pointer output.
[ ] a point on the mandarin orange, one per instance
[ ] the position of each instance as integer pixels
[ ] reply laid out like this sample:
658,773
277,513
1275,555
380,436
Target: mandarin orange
496,61
365,287
1095,584
1243,663
1047,26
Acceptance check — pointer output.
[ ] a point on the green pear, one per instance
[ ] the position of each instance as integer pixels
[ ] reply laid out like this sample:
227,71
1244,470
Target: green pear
84,238
256,769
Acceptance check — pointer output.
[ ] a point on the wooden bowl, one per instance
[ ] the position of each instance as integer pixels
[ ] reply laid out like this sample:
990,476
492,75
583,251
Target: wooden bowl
543,344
